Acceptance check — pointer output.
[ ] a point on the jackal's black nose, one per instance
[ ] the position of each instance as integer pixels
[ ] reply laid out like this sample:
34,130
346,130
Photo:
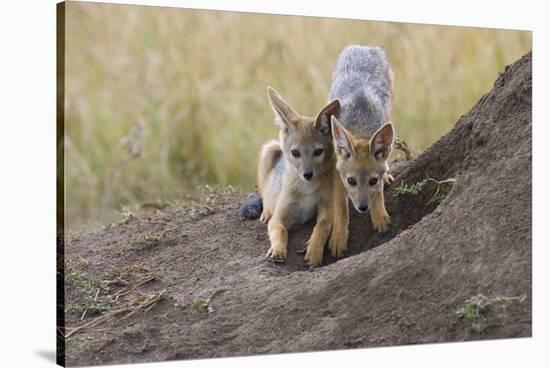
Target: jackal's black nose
308,175
363,207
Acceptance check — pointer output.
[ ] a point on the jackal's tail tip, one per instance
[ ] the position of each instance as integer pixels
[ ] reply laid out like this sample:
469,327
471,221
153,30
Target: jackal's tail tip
252,207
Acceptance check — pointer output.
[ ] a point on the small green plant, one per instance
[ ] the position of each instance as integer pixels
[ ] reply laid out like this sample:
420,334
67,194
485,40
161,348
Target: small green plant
146,242
84,281
68,308
73,276
443,188
206,305
77,345
474,311
89,287
201,304
438,198
75,264
199,210
412,189
141,243
95,304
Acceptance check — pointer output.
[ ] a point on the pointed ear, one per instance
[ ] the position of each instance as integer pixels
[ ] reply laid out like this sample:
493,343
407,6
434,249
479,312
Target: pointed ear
284,114
322,121
382,141
342,141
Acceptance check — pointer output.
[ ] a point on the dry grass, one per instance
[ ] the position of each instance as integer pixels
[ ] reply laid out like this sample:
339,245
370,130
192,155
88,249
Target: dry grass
117,295
159,100
143,302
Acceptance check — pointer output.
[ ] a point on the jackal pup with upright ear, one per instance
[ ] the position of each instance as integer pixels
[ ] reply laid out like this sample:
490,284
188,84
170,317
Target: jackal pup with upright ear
297,181
363,135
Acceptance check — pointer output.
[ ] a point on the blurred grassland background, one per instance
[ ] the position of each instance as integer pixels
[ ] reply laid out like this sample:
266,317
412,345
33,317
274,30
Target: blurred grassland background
162,100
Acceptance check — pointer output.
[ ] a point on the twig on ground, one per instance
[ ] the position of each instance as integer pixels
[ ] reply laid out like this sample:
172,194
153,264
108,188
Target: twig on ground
93,322
126,291
439,183
161,234
115,281
95,300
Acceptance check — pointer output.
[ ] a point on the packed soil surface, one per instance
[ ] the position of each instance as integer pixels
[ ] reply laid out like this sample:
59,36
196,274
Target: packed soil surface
191,281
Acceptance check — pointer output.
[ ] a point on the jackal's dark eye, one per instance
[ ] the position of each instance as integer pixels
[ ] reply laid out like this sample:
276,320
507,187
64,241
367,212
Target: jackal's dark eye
295,153
373,181
318,152
352,181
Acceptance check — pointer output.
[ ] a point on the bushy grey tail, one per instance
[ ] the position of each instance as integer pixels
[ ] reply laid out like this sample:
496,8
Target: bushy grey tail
252,207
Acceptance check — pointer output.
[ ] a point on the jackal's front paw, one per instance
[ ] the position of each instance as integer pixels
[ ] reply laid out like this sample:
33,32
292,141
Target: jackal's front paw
314,255
266,215
277,253
338,243
381,222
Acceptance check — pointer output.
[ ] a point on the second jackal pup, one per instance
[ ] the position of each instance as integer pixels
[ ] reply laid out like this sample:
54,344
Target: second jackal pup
363,135
297,181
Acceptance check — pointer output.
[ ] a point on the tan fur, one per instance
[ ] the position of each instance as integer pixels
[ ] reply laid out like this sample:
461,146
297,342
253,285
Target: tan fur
356,159
379,216
294,200
339,238
270,153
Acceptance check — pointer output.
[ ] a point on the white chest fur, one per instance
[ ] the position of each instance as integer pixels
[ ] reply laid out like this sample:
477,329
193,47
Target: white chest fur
304,206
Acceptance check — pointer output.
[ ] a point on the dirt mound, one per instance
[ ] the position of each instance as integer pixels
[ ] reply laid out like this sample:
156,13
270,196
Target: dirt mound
192,282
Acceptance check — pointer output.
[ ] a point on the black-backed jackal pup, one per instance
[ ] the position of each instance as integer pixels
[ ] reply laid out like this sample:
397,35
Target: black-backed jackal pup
297,181
363,135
